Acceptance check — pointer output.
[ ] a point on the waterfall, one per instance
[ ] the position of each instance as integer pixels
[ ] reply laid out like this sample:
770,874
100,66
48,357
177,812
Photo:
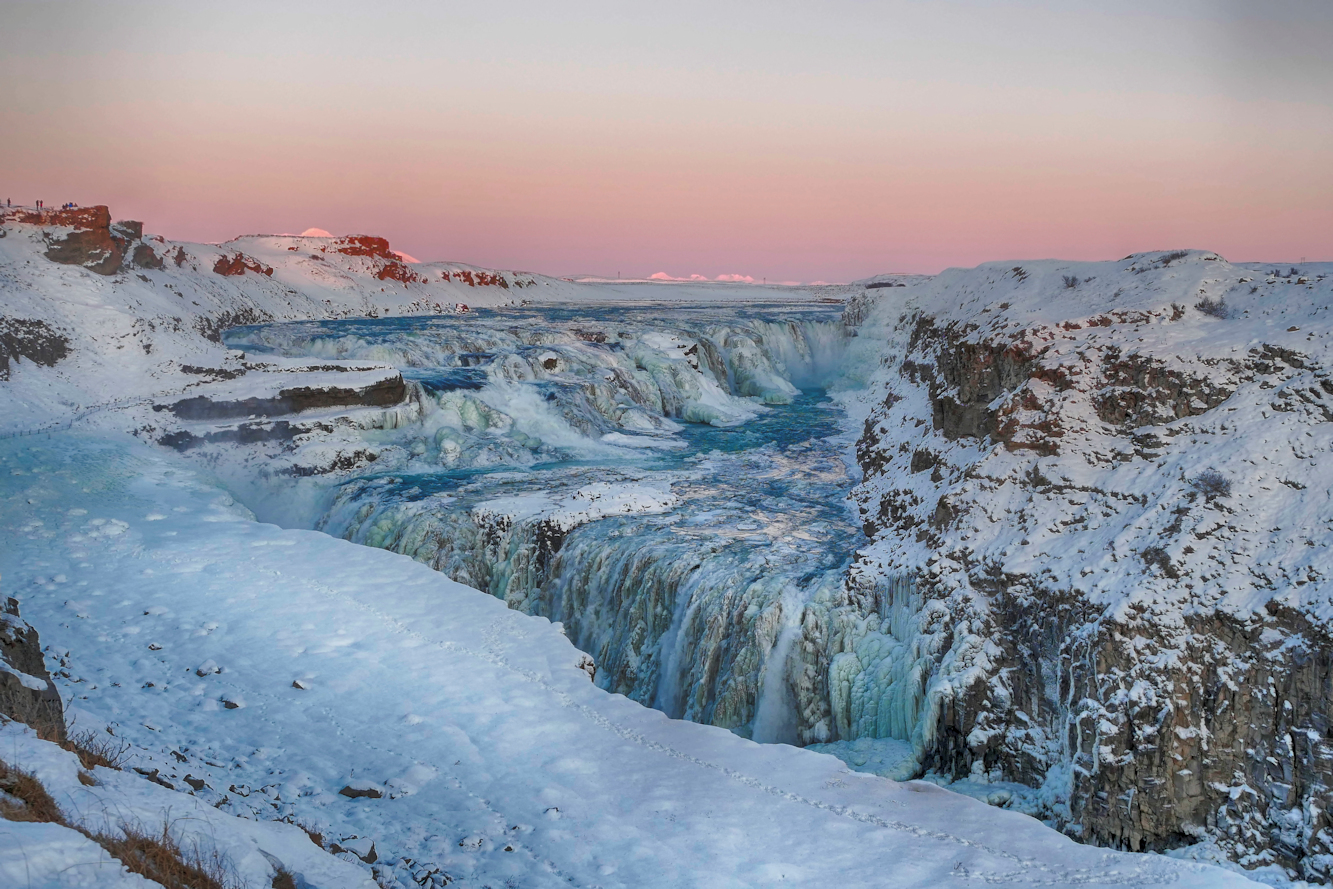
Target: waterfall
664,490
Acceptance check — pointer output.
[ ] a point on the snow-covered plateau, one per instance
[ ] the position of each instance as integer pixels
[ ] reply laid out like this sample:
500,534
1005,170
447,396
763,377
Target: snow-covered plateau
508,596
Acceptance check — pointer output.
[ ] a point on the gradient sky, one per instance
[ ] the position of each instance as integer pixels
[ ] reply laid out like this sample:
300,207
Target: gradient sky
794,141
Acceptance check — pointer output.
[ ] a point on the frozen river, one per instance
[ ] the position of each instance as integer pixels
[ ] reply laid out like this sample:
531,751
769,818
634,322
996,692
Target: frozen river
667,482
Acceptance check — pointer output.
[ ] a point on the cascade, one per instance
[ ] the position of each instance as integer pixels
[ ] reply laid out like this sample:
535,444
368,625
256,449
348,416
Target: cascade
671,493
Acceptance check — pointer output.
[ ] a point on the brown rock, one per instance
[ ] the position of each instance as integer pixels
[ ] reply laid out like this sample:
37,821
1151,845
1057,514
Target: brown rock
396,271
361,792
364,245
146,258
91,244
21,650
239,264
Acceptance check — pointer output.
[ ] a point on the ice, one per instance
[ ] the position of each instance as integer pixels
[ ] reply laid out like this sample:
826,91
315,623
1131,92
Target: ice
886,757
509,725
51,856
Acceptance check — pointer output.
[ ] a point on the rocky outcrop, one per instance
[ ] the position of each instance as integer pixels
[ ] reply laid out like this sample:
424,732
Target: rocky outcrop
146,258
35,341
89,242
396,271
479,279
27,693
382,393
239,264
210,327
1063,590
364,245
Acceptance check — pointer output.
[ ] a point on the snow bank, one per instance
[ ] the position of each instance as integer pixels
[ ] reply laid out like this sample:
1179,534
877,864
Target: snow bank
501,759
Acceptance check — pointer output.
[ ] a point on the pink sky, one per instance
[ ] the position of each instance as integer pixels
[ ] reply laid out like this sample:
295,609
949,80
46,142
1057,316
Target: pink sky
758,141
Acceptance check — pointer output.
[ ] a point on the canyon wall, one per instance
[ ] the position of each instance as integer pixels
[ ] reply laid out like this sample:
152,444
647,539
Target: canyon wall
1097,497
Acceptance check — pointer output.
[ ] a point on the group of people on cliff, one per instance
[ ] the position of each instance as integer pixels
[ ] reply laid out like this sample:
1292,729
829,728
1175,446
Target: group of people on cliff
41,205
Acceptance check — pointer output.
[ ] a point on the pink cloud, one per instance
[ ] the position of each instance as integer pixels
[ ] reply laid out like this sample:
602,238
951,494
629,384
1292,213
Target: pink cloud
315,233
735,279
663,276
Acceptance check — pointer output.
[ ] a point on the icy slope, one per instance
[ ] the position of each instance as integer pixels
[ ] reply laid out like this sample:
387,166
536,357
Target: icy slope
1098,494
115,314
276,668
96,317
104,800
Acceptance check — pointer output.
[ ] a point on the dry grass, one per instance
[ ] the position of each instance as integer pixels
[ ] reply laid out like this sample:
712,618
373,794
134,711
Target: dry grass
155,856
97,749
158,857
35,804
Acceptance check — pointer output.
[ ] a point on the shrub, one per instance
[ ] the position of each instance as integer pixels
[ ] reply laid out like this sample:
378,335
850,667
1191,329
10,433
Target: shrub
1071,281
1168,258
37,804
1217,308
1156,556
94,749
1211,484
162,860
157,857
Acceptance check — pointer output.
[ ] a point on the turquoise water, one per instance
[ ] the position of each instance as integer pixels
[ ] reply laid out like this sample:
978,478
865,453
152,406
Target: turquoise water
693,607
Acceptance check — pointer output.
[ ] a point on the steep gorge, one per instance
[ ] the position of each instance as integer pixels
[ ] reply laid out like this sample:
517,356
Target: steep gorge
1109,550
1051,607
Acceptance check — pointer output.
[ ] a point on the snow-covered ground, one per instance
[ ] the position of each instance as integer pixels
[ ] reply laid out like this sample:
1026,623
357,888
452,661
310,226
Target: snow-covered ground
274,668
188,627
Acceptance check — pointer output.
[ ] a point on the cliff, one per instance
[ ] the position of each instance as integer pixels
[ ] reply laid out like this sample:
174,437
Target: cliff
1096,495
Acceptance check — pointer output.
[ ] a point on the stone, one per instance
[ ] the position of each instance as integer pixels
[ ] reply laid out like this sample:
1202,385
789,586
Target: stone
27,693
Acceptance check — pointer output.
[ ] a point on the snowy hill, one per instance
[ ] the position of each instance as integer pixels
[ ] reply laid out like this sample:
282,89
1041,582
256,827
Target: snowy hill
118,314
1098,498
263,670
279,668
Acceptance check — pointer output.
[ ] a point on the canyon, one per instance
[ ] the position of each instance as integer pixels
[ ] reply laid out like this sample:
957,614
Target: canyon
1045,534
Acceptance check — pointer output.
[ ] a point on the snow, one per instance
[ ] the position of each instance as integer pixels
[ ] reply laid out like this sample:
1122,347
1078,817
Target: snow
251,849
49,856
419,682
280,666
586,504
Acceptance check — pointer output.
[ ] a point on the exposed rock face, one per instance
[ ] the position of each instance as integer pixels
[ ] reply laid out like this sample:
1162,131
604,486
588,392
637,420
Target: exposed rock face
364,245
480,279
212,326
27,693
90,243
239,264
130,229
36,341
388,391
1053,598
396,271
146,258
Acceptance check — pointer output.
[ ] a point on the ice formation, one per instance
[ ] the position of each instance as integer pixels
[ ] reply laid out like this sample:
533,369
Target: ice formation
691,602
1042,599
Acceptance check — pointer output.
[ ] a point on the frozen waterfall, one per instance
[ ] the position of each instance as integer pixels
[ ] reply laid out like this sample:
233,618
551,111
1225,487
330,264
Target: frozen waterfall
669,485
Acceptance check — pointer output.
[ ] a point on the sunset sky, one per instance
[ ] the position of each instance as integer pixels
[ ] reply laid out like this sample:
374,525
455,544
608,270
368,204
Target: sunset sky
791,141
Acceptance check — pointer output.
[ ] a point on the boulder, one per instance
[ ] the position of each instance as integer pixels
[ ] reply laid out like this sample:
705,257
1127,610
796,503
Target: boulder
27,693
90,242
